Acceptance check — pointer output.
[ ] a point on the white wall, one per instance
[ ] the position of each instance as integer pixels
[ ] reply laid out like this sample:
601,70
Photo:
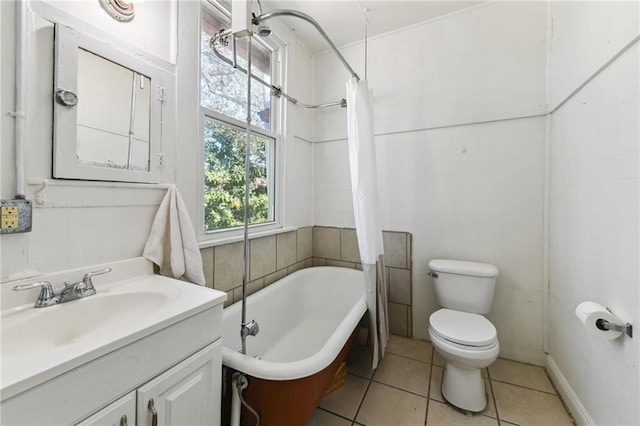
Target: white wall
594,214
464,190
7,97
298,160
486,63
153,28
80,223
83,223
585,35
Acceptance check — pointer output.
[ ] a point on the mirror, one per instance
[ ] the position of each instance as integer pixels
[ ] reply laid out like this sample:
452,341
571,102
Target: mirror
106,120
113,117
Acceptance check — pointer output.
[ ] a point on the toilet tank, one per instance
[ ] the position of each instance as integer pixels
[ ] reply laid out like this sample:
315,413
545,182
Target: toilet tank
464,286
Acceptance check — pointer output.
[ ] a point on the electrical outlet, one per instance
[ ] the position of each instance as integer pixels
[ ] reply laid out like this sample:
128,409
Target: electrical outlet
15,216
9,216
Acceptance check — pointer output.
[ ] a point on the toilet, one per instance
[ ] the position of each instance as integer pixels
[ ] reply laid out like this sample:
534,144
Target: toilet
459,331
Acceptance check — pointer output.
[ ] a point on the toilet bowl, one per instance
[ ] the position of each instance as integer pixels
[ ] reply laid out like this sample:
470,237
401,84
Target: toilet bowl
460,333
468,343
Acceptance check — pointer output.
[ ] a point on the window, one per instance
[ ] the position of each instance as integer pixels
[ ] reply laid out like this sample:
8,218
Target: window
223,101
224,147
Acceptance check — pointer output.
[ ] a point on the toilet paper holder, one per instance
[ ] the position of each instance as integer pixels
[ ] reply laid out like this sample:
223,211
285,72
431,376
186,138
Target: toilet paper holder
604,325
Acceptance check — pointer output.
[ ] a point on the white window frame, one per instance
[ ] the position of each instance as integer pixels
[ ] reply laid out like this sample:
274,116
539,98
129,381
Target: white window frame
278,63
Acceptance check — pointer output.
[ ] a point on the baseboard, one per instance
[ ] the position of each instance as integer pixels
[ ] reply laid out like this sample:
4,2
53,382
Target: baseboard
573,403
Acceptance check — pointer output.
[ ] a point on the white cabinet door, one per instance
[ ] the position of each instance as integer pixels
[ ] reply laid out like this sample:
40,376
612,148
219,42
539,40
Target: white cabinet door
187,394
120,413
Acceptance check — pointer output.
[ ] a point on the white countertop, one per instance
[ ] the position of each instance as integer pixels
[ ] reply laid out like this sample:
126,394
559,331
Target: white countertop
145,304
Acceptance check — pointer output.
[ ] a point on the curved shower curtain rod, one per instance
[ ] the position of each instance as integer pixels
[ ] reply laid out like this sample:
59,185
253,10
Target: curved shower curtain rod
222,36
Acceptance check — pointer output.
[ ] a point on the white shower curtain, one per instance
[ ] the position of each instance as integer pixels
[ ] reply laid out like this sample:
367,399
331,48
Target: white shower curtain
364,185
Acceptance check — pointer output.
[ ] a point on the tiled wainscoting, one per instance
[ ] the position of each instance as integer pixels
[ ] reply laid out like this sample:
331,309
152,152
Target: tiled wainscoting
270,259
339,247
276,256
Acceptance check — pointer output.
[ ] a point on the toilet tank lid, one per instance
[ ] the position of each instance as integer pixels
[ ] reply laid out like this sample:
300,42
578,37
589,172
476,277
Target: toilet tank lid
461,267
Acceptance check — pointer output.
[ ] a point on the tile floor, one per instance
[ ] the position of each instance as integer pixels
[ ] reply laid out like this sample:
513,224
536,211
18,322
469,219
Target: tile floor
405,390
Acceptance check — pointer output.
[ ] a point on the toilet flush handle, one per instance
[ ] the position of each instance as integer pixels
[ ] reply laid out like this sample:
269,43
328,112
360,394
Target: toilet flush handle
432,274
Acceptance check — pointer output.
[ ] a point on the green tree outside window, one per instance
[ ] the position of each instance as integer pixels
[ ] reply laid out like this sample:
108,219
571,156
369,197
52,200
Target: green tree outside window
225,173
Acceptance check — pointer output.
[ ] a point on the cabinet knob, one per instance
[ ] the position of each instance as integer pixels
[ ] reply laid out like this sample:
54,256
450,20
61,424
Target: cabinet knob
123,421
154,413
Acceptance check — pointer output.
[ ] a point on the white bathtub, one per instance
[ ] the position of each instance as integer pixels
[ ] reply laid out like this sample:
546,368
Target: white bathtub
305,320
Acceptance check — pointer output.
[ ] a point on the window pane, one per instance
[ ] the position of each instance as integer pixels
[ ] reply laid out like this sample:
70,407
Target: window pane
224,172
224,89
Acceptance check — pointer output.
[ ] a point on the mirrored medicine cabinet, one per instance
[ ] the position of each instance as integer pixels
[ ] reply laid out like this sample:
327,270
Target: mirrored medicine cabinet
106,112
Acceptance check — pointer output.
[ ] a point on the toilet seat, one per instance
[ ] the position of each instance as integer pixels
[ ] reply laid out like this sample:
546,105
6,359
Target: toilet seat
463,328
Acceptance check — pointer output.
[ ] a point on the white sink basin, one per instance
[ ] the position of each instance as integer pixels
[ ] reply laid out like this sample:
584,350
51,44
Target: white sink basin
41,343
43,329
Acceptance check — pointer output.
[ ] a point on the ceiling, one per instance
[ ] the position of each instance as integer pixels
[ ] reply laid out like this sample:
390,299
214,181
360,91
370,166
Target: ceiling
343,20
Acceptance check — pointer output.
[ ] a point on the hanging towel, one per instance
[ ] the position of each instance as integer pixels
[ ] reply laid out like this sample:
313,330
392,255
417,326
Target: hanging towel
172,243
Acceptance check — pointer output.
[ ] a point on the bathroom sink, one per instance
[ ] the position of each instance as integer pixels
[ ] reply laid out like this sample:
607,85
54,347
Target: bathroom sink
130,304
41,329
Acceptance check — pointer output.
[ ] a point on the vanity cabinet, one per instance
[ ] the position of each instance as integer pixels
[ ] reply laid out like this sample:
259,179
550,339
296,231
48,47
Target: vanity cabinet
187,394
179,365
120,413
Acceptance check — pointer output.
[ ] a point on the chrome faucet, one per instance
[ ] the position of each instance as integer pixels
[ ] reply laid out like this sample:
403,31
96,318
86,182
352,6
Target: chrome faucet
84,288
71,291
47,296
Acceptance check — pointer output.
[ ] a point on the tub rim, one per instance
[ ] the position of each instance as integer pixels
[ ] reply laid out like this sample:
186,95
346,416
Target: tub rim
273,370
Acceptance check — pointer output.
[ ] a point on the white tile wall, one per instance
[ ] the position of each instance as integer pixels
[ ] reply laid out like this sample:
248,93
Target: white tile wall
81,224
464,191
298,163
65,238
333,204
298,86
594,236
298,166
468,192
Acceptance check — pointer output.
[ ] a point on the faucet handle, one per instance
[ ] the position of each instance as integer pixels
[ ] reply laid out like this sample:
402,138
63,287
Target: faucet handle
47,296
86,279
88,275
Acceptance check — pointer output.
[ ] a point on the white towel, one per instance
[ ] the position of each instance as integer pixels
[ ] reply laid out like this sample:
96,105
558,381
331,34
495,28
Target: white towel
172,243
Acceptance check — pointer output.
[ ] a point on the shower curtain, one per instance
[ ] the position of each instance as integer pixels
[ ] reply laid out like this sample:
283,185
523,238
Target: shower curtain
362,160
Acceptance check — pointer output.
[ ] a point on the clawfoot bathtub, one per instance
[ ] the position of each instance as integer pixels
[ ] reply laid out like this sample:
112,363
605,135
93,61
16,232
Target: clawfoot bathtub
307,322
